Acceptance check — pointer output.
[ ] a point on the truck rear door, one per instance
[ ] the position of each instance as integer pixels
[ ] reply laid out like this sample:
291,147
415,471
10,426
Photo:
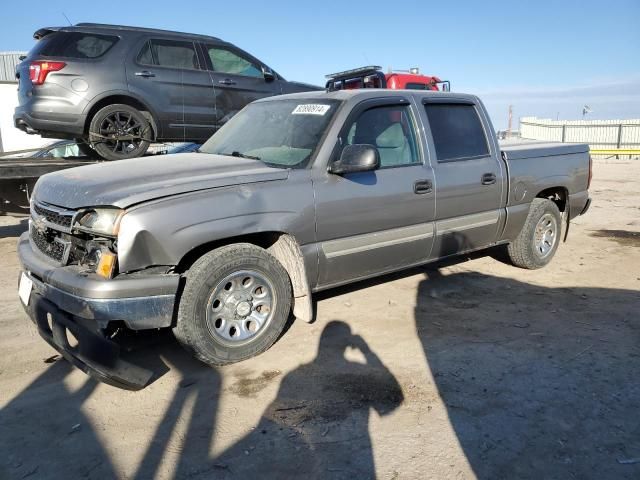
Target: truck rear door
471,179
372,222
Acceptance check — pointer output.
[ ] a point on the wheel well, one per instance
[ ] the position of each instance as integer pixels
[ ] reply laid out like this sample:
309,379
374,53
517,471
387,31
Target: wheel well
263,240
557,195
113,99
284,248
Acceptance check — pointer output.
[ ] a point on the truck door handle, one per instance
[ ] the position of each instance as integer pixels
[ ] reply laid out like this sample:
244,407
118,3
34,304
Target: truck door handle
145,74
422,186
488,179
226,81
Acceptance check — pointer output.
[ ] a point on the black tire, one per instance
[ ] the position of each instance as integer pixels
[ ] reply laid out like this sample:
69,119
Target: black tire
105,128
527,250
195,329
85,149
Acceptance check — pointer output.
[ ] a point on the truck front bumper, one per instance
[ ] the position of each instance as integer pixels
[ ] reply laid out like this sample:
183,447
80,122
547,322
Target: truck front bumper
140,301
65,300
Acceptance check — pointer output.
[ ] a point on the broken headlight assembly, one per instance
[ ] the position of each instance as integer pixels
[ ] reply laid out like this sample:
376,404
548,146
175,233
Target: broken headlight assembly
100,221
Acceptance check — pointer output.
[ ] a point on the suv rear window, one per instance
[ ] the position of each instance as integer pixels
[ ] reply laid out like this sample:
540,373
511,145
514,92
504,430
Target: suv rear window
76,45
457,131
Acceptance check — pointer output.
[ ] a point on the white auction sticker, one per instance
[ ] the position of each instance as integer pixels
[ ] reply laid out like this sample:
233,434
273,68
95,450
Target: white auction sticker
311,109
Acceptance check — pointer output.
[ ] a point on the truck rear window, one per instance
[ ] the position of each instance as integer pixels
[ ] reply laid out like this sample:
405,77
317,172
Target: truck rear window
457,131
75,45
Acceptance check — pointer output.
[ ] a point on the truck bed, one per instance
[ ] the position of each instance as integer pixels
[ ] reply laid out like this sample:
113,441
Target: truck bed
519,149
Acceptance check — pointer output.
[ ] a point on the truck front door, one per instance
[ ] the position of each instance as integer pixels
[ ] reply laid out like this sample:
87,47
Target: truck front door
470,176
372,222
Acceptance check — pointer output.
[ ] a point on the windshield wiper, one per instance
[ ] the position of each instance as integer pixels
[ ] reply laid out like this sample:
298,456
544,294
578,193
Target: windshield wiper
236,153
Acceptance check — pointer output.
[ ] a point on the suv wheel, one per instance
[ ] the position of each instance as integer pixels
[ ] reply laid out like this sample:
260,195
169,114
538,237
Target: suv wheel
538,241
235,304
119,131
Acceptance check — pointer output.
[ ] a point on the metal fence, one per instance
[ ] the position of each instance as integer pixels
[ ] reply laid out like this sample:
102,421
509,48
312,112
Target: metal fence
623,135
8,63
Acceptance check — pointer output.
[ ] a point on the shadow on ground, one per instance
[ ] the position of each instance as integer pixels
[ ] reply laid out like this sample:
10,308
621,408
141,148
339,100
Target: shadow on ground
14,230
316,427
538,382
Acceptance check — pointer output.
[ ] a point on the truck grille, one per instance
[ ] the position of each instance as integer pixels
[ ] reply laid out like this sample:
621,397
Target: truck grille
55,216
50,245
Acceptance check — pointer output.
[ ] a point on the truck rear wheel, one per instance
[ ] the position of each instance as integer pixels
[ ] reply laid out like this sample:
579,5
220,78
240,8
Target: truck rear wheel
235,304
119,131
538,240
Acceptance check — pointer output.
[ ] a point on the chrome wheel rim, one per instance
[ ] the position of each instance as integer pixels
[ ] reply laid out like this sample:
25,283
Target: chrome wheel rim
545,235
241,307
121,132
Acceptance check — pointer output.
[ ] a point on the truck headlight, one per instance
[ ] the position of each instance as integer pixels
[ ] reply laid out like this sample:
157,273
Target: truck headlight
101,221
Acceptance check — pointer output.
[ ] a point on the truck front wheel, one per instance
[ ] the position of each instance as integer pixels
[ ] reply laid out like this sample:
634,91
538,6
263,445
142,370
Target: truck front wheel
538,240
235,304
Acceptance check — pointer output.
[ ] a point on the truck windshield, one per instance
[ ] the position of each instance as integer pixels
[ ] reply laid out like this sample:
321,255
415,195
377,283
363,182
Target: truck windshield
281,133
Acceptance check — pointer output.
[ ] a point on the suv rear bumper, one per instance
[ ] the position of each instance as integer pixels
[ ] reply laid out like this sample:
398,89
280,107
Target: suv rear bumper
30,120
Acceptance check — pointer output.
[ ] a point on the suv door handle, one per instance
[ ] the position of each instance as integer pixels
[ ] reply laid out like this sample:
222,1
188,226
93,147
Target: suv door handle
422,186
488,179
145,74
226,81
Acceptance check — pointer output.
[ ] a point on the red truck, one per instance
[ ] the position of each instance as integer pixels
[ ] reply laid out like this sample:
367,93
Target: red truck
373,77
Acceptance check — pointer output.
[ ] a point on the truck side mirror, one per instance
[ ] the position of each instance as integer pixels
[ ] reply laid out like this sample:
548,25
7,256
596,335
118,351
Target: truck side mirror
356,158
268,74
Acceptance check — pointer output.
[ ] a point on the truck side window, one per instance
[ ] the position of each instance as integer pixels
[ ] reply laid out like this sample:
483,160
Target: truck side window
390,130
226,61
457,131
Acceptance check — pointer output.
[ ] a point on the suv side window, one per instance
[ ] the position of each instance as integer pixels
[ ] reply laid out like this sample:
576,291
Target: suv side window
390,130
226,61
169,53
457,131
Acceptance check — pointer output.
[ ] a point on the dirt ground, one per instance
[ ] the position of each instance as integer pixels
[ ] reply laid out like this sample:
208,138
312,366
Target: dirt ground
469,370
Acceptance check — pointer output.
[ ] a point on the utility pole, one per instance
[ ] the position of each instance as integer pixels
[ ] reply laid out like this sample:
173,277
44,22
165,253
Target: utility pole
510,121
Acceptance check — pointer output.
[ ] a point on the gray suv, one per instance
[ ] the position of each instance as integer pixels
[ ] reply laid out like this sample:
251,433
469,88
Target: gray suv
115,89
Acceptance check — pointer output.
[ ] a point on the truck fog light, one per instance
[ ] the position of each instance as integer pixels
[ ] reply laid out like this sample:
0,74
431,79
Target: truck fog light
106,264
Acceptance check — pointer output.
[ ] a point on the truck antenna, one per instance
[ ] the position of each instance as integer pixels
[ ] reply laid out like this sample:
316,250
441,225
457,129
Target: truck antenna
67,18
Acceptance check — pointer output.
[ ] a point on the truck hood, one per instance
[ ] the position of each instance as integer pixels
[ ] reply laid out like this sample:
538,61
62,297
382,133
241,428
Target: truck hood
124,183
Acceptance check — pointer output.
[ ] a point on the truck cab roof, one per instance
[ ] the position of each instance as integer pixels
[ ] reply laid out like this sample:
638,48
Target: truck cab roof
371,93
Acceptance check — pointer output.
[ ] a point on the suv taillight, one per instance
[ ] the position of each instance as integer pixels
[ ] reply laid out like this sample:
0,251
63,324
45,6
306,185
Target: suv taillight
38,71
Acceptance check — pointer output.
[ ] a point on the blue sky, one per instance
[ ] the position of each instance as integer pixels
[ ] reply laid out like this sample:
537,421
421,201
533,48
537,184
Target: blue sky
547,58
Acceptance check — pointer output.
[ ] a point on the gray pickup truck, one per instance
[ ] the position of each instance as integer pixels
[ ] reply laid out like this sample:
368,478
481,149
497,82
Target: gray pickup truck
296,194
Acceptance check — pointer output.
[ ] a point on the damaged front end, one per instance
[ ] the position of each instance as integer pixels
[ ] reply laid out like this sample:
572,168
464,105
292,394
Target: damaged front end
72,290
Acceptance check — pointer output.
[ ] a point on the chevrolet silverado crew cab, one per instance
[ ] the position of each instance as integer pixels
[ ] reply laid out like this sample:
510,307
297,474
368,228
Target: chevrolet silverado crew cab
295,194
114,89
